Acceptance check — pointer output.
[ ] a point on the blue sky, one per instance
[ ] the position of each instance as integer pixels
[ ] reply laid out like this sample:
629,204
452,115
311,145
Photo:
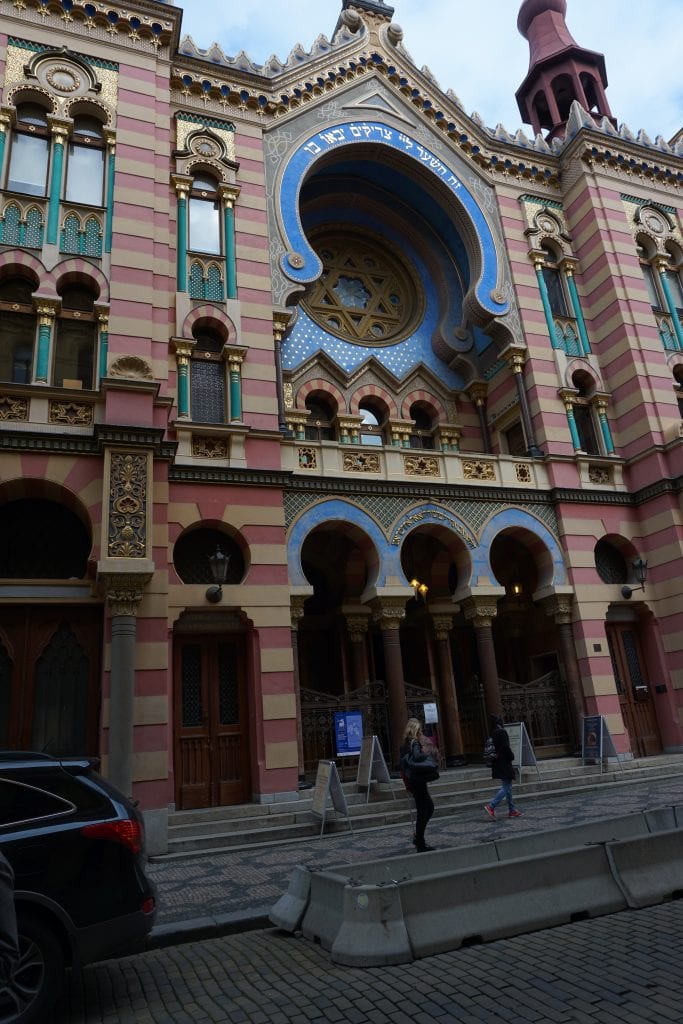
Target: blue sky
475,49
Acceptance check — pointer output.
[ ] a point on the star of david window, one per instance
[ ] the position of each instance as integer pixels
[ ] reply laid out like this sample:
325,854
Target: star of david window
366,293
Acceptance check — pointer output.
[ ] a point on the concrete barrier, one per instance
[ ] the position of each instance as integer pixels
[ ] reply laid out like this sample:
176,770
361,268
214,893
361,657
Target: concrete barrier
626,826
660,819
678,815
397,869
510,898
649,870
289,910
324,913
372,932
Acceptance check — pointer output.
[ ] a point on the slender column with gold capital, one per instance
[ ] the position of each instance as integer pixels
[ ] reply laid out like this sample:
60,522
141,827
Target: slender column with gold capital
662,264
183,352
481,612
389,615
182,187
516,364
280,322
450,716
7,118
357,626
477,394
103,322
46,318
228,196
235,357
60,133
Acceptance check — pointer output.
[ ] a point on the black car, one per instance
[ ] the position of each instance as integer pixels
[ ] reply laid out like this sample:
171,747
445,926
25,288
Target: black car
76,845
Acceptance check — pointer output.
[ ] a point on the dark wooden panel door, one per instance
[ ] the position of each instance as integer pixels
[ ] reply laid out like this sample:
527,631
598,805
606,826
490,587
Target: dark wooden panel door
635,695
211,748
50,679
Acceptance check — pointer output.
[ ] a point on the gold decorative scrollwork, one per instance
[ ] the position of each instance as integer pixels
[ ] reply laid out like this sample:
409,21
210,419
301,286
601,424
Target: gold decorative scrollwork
13,408
421,465
523,472
128,506
209,447
599,475
75,414
478,470
361,462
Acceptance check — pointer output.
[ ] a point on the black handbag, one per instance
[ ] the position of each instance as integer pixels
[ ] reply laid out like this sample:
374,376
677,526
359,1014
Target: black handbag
424,770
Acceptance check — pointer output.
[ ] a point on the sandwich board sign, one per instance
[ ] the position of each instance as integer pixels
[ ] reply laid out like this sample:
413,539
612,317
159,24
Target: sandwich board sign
371,765
596,742
328,784
521,747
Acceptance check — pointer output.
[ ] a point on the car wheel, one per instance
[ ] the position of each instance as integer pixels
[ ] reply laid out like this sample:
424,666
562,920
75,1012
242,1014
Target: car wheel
37,980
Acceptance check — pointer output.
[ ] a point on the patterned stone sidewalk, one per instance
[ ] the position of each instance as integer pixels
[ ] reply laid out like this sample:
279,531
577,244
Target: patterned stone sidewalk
622,969
247,883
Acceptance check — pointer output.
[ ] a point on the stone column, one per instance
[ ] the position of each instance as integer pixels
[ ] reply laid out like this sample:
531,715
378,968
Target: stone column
662,265
103,325
111,169
183,351
516,364
228,195
182,185
559,607
568,399
568,266
235,356
297,613
124,594
280,323
601,405
450,716
478,393
389,614
481,611
60,133
357,626
8,117
47,311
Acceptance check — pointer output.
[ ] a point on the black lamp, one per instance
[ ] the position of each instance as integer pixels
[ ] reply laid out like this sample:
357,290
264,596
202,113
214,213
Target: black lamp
640,573
218,562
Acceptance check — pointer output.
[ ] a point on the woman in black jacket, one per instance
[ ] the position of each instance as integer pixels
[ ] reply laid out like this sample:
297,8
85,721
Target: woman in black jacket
424,805
502,769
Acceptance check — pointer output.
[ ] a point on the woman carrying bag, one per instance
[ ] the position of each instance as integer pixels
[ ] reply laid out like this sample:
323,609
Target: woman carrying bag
417,769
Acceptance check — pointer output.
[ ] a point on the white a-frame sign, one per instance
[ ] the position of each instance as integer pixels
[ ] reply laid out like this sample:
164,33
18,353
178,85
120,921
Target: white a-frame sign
328,783
521,747
371,765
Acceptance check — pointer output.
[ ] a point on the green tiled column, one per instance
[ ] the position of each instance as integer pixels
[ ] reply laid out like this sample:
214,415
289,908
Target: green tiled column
182,190
230,254
572,426
549,318
103,320
46,319
604,426
578,312
662,267
109,216
59,137
234,357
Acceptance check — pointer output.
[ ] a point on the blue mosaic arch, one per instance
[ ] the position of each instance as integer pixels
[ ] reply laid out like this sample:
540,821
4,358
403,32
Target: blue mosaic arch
334,510
431,514
518,519
302,265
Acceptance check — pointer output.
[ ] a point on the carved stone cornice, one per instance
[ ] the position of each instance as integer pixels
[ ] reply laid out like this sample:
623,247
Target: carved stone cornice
558,607
124,590
480,611
389,612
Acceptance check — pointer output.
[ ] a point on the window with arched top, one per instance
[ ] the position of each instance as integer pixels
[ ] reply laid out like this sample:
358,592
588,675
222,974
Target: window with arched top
564,93
319,426
75,339
29,151
85,162
554,284
584,416
204,215
422,430
18,327
207,378
371,424
663,282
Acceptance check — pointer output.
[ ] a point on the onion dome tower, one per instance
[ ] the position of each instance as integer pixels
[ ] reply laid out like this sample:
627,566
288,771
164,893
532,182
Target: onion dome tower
560,71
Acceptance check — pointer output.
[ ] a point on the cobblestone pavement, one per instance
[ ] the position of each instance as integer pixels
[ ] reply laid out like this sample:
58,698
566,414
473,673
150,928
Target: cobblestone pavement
622,969
248,882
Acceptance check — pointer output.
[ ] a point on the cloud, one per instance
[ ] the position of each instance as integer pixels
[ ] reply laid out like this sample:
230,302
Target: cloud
476,50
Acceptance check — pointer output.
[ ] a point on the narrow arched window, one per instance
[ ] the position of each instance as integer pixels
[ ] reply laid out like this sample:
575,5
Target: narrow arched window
30,151
205,226
76,340
207,378
554,285
319,426
85,164
371,430
421,435
17,330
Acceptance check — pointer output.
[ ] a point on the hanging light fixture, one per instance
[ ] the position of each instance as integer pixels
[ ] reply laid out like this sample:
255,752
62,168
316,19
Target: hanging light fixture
640,573
421,589
218,562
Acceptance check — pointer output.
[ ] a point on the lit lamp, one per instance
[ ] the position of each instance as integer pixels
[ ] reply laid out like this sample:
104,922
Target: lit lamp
219,570
517,589
421,589
640,573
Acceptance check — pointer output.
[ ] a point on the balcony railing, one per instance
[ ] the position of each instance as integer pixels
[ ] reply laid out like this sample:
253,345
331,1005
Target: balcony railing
205,279
22,223
567,336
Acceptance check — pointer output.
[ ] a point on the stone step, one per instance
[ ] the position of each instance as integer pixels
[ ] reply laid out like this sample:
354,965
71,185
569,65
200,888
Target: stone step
216,830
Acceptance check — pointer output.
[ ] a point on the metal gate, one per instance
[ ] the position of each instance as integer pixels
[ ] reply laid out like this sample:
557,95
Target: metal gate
317,722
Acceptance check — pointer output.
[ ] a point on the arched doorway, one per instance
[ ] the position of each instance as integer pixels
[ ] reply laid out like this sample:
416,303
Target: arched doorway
210,671
50,647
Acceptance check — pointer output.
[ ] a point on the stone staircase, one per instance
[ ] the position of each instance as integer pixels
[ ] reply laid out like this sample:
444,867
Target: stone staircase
224,829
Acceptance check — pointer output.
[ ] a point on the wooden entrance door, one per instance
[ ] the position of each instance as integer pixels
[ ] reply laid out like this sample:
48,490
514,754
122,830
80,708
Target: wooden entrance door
211,745
50,679
634,690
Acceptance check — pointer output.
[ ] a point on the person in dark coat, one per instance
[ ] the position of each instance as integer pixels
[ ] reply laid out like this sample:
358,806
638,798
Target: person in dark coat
424,805
502,769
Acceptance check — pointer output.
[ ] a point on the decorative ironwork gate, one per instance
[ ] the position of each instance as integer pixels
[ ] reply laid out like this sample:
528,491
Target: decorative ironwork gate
317,721
472,710
543,705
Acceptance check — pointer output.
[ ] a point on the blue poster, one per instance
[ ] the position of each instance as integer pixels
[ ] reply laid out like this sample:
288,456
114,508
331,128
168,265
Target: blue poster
348,732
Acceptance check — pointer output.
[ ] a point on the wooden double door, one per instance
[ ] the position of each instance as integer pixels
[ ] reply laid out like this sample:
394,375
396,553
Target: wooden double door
211,722
50,678
634,689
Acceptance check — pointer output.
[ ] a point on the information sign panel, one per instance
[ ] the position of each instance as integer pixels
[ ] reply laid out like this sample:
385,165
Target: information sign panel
348,732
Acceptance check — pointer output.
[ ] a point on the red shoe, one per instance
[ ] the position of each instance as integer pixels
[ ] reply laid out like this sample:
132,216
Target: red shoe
490,811
515,814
